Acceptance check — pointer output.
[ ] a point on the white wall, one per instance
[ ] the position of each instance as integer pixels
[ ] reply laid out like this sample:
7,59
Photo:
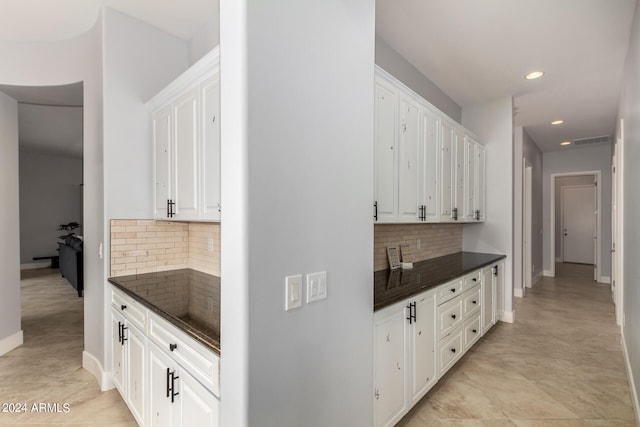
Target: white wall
392,62
64,62
572,161
205,39
297,179
139,61
10,333
563,181
630,113
533,155
49,196
493,123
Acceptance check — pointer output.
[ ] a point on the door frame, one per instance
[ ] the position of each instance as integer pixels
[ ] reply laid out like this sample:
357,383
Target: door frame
617,220
552,231
527,234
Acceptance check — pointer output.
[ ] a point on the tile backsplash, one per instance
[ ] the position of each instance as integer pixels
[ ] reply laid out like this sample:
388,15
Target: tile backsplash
147,246
435,240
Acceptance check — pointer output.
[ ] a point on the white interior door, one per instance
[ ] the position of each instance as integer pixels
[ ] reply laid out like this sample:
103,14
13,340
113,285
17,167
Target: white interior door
579,223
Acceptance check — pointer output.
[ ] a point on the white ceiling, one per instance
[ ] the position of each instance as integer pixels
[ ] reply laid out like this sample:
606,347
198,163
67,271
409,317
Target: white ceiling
480,50
474,50
49,118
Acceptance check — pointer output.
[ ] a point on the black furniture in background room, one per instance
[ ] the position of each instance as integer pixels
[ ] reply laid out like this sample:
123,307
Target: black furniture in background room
71,262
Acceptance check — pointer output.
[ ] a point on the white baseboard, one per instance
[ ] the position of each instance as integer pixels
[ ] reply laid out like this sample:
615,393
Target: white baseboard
630,377
518,292
507,316
604,279
93,365
12,341
536,279
34,265
548,273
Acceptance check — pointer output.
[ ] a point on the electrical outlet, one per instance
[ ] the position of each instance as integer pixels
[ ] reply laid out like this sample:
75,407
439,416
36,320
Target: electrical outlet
418,244
210,244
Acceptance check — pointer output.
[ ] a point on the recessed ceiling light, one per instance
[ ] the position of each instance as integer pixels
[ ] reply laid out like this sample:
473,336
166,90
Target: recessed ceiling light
566,143
534,75
557,122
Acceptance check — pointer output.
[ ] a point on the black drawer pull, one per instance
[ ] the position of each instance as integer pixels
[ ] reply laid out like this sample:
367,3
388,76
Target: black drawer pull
173,347
474,331
453,290
453,350
474,301
122,307
453,316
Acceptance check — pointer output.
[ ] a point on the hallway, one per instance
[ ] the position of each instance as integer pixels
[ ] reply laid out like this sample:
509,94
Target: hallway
47,368
560,364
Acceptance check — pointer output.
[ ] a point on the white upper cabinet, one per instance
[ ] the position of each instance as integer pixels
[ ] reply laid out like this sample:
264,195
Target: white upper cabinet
447,175
410,170
386,174
425,163
186,132
430,158
481,182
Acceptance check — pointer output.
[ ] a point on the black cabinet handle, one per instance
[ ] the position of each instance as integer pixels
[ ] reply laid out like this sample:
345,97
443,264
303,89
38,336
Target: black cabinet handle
168,382
495,270
453,350
474,331
474,279
173,386
173,347
375,210
413,305
474,302
453,316
454,214
412,312
122,307
453,290
120,332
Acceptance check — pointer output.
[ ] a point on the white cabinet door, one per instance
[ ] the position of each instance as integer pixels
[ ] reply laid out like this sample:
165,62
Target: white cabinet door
430,157
488,299
185,173
389,366
470,179
458,176
447,181
410,167
198,406
481,155
162,411
117,352
386,177
422,353
136,363
210,152
162,142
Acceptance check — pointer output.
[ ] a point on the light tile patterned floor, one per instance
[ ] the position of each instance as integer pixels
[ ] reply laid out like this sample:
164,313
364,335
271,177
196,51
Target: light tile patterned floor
560,364
47,368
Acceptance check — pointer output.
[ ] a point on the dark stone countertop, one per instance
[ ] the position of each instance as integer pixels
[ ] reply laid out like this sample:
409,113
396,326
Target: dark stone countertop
188,299
391,286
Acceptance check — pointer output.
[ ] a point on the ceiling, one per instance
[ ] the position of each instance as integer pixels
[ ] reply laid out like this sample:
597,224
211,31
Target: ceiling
480,50
49,118
474,50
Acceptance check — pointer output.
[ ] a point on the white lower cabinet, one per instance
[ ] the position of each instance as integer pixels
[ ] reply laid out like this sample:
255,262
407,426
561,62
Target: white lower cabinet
416,341
404,342
160,387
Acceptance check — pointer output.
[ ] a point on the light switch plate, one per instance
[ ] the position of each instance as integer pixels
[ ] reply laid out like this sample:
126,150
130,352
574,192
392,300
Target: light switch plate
293,292
316,286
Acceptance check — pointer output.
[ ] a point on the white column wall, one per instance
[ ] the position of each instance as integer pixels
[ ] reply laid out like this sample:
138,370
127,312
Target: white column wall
297,180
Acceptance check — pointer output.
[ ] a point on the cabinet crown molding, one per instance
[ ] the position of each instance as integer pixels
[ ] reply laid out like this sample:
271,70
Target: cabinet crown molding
205,67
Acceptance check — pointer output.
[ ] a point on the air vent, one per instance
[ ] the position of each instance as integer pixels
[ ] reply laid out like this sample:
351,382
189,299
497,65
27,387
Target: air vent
596,140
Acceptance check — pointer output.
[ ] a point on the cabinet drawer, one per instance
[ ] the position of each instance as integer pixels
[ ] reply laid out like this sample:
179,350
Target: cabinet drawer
450,350
472,331
449,290
449,317
471,280
131,309
202,363
471,301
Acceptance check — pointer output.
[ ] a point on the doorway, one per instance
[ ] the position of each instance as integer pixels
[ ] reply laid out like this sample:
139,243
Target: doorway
527,238
575,231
